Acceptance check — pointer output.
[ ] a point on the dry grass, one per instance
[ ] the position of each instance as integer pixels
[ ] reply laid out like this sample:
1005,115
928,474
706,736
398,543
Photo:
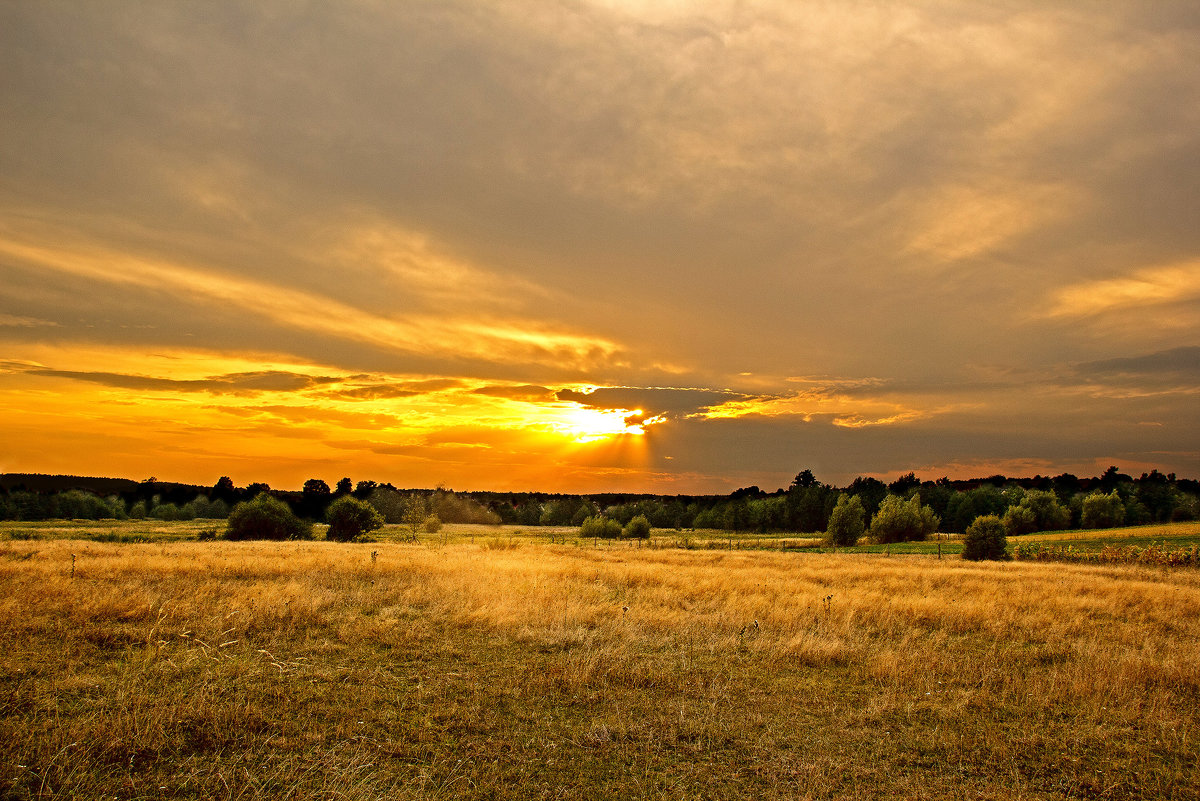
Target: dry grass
309,670
1155,531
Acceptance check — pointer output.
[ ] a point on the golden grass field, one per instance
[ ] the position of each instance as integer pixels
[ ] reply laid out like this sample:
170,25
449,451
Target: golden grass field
510,668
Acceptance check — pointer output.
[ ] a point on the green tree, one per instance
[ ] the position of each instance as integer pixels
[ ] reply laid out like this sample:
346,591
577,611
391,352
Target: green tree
349,518
388,502
414,514
846,522
809,506
1019,520
1102,511
1037,510
586,509
963,507
984,539
266,518
638,528
558,512
899,520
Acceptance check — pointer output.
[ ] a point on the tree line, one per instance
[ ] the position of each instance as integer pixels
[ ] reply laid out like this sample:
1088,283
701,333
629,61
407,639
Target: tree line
807,505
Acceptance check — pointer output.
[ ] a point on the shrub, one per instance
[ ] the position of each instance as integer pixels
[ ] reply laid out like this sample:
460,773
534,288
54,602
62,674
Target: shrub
901,521
601,527
349,518
984,539
265,518
432,524
637,528
846,521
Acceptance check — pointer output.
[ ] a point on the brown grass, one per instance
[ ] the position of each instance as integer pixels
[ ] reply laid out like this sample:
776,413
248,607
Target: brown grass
243,670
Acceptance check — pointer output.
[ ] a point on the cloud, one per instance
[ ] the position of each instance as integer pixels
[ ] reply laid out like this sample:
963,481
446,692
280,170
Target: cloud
651,400
405,389
524,392
958,224
468,337
1150,286
234,384
1184,361
18,321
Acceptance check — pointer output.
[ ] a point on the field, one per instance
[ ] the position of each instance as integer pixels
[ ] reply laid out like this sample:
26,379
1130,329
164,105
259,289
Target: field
485,664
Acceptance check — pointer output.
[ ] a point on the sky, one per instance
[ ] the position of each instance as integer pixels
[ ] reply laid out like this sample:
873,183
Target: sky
598,245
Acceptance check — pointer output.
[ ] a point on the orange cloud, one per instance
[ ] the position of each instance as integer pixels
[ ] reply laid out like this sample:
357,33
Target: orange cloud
495,340
1151,286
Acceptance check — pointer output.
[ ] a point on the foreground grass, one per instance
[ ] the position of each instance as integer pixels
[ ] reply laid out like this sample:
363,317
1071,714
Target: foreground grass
316,670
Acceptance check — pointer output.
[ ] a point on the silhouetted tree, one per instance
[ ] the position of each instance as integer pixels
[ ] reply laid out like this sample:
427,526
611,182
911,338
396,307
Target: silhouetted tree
902,485
254,490
1112,477
804,479
870,491
314,497
224,490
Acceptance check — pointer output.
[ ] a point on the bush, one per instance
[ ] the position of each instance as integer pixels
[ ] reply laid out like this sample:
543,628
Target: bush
602,527
432,524
349,518
265,518
984,539
638,528
901,521
846,521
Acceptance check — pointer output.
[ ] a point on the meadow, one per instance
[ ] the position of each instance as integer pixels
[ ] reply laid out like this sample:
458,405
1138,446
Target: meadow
499,664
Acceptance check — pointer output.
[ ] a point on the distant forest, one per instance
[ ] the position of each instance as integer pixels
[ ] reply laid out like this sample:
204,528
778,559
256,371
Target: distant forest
1039,503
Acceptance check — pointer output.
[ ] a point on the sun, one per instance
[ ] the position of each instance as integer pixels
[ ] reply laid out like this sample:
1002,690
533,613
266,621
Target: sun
584,424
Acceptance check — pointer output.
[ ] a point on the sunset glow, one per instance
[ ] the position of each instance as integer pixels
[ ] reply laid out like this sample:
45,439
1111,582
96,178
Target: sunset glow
599,246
